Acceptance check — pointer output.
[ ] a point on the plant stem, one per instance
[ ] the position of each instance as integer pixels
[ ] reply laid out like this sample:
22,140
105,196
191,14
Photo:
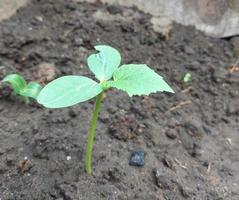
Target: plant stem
26,100
91,135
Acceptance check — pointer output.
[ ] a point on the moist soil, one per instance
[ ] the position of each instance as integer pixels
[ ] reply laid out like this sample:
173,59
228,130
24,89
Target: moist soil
190,138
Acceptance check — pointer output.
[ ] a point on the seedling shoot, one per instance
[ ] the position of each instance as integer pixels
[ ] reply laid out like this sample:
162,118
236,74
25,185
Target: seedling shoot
135,79
187,77
22,88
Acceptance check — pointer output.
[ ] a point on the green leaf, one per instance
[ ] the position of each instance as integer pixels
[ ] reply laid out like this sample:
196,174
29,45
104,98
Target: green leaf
16,81
31,90
138,80
104,63
67,91
187,77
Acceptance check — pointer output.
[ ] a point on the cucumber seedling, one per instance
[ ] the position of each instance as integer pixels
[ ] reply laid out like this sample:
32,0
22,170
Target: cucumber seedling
187,77
135,79
22,88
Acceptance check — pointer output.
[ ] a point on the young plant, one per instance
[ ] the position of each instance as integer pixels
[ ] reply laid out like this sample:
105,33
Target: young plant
187,77
135,79
20,87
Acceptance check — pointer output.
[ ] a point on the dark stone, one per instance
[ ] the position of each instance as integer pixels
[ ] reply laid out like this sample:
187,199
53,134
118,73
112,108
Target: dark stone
137,158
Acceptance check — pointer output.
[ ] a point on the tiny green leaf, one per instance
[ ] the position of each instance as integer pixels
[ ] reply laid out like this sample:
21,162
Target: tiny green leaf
31,90
187,77
138,80
67,91
16,81
104,63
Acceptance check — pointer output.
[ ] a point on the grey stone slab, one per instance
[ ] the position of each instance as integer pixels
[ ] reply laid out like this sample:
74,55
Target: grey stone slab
218,18
9,7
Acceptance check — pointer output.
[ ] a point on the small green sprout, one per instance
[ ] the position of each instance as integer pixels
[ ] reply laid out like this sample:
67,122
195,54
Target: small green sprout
135,79
22,88
187,77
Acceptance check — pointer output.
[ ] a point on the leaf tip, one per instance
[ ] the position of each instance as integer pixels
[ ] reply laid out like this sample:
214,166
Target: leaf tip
171,90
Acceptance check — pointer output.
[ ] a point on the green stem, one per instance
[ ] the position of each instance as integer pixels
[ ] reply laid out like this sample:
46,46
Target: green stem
26,100
91,135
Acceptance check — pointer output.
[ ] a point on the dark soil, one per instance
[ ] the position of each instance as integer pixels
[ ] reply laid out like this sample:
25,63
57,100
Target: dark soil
190,138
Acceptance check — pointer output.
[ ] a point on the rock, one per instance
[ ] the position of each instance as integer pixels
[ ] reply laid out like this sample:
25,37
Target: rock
171,134
78,41
194,66
162,25
216,18
9,8
153,133
137,158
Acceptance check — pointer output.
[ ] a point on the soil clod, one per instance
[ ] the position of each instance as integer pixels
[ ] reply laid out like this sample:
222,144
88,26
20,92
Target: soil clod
163,181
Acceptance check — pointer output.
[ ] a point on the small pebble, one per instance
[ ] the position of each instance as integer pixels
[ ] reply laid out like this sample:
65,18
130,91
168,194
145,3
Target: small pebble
39,18
171,135
137,158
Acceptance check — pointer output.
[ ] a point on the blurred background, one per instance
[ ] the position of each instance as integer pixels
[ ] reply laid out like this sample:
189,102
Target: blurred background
218,18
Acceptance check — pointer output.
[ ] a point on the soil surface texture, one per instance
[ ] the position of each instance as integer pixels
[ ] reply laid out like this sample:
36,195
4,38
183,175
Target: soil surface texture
190,138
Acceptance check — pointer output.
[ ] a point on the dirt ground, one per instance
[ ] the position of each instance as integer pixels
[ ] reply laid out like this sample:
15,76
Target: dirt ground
190,138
